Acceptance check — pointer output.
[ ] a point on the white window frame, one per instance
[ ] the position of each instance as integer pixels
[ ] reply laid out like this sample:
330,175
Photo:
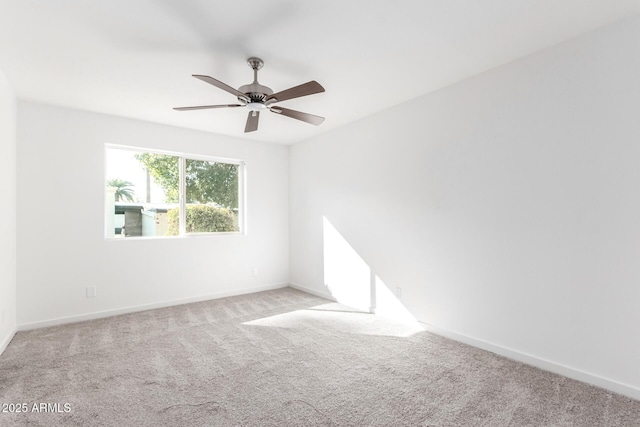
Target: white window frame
182,158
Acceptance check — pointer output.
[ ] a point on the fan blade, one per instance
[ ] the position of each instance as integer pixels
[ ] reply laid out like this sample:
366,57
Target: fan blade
252,121
220,85
204,107
304,89
299,115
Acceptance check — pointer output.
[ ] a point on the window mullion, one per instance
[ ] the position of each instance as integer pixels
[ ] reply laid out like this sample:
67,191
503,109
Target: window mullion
182,189
242,221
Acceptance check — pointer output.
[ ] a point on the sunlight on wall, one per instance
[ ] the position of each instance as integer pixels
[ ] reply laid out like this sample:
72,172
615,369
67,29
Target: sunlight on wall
346,275
388,305
358,292
351,281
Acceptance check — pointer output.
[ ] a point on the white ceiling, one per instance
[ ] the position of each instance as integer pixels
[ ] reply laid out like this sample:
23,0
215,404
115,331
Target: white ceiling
134,58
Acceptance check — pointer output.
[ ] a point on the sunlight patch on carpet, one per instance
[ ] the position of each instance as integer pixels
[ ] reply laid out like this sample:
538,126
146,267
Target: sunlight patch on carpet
340,318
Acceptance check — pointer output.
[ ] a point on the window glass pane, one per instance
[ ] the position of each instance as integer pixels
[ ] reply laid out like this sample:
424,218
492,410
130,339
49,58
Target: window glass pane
142,194
150,194
211,196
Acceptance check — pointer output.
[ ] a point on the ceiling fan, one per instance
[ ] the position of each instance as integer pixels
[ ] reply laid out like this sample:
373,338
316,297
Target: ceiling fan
257,97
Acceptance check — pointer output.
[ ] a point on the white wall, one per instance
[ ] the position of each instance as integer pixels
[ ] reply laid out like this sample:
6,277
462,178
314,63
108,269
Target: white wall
7,213
506,207
61,245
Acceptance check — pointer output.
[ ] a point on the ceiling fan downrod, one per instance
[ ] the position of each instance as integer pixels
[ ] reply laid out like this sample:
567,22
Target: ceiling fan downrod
256,92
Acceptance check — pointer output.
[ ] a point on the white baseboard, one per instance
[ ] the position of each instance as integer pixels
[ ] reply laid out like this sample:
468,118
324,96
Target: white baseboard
538,362
321,294
133,309
547,365
5,343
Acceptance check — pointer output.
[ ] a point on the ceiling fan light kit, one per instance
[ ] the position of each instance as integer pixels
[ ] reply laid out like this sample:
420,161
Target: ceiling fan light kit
257,98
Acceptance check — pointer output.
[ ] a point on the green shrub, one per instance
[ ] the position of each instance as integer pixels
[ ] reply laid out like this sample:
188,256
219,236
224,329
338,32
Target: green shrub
202,219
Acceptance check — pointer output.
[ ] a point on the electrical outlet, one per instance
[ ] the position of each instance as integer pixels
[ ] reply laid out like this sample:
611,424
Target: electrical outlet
91,291
254,272
398,292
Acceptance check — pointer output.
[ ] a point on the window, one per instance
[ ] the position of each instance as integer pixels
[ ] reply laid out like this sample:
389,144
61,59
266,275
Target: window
152,194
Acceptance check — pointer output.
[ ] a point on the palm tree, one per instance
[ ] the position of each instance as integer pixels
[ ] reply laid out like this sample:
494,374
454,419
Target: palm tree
123,189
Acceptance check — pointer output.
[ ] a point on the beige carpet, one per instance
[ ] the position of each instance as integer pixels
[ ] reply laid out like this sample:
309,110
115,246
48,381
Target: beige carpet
281,358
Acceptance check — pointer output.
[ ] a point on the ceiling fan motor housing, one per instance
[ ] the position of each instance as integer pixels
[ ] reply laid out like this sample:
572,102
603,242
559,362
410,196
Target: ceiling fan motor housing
256,92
